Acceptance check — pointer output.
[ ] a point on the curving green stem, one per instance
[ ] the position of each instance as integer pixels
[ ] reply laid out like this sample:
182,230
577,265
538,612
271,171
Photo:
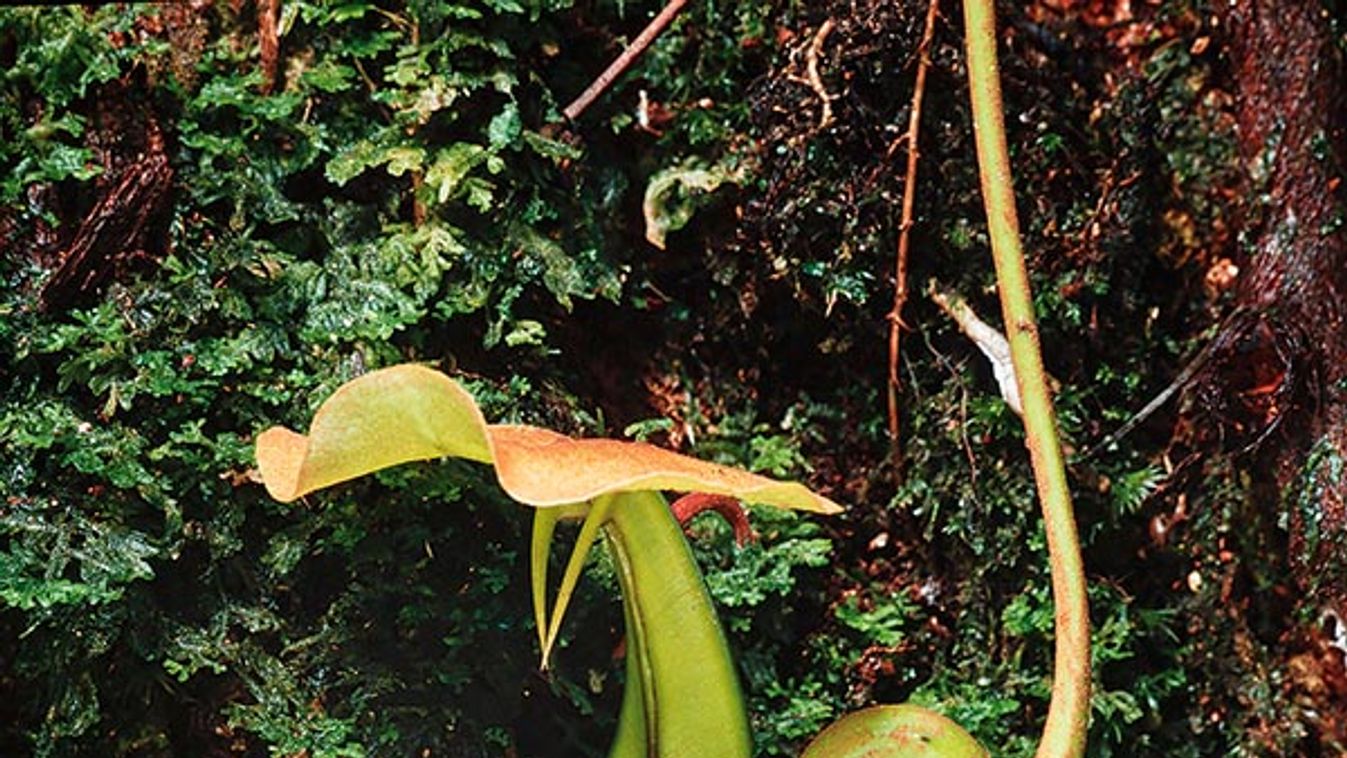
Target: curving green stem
1064,734
682,695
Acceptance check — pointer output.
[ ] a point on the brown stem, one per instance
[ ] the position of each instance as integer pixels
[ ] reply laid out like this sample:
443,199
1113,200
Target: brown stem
620,64
905,226
268,41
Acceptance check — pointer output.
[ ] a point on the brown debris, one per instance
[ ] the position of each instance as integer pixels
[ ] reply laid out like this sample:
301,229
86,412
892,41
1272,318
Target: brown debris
912,139
1318,675
620,64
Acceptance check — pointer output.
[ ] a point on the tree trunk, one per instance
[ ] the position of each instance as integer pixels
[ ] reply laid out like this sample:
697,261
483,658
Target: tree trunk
1279,384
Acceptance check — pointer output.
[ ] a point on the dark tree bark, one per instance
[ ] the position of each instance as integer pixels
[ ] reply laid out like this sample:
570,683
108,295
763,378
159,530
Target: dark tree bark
112,234
1279,382
126,223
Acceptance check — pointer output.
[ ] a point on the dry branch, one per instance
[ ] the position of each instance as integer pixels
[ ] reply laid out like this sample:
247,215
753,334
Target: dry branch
905,225
620,64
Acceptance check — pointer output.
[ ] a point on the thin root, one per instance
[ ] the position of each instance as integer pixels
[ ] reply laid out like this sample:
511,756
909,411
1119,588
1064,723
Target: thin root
811,71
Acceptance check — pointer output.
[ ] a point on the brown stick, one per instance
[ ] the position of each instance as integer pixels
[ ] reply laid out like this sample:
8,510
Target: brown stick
909,197
267,13
620,64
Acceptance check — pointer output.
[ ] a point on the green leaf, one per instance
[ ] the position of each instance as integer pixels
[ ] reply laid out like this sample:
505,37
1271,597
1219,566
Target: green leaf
329,76
409,70
562,275
505,128
758,572
451,167
379,420
352,162
589,531
1131,490
540,551
550,148
65,161
349,12
480,193
403,159
526,332
505,6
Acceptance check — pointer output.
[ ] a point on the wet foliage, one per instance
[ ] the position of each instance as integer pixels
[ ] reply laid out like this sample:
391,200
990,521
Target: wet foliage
400,186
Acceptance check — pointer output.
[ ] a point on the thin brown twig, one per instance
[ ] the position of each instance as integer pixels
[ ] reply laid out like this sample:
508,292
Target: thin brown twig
373,88
909,197
621,62
811,72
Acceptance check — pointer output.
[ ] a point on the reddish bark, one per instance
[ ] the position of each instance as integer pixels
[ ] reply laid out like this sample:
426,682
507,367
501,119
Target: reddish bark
1279,381
268,41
